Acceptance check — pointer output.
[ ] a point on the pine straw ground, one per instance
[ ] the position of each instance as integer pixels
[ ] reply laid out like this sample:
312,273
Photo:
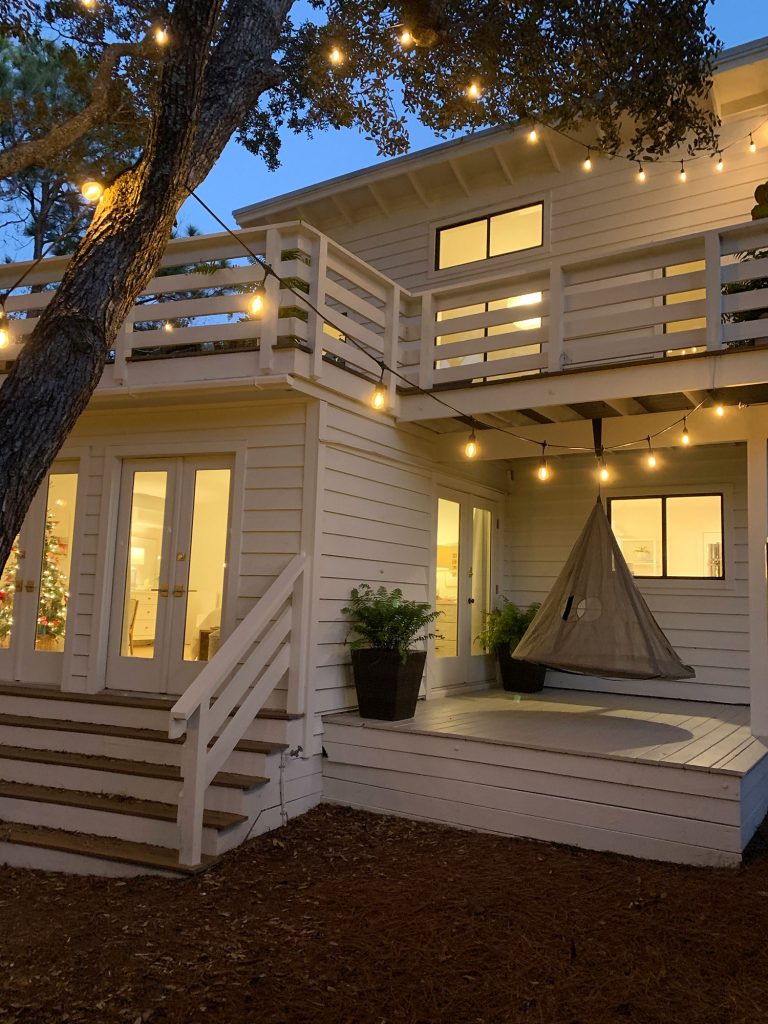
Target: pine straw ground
348,918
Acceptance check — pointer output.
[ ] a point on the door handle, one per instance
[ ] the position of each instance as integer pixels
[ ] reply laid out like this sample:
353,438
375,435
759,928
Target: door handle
178,591
18,584
162,590
29,586
470,600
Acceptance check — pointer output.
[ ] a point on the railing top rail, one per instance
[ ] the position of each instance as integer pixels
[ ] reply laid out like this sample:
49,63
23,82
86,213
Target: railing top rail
211,677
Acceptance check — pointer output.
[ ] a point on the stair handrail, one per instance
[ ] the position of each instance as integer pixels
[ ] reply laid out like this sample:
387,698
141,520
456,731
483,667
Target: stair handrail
214,713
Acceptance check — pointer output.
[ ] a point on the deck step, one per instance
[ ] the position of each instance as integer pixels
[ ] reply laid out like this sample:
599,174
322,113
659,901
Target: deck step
123,732
116,699
119,766
121,851
218,820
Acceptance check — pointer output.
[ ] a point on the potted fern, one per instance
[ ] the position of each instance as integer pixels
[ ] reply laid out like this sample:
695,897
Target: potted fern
387,671
503,630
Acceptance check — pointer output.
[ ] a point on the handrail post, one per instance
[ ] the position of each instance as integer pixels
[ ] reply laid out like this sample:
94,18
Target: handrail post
123,345
427,346
192,799
271,311
714,290
556,333
296,699
391,345
318,272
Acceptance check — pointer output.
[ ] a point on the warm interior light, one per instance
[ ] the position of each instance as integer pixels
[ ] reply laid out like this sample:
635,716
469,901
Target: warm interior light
406,38
161,36
336,56
92,191
474,91
533,135
379,397
470,449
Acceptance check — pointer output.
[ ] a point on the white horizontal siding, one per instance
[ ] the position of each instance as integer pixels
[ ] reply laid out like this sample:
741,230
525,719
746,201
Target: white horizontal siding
705,620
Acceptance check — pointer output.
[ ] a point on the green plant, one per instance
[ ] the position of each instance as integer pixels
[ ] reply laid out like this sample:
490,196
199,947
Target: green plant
505,626
385,619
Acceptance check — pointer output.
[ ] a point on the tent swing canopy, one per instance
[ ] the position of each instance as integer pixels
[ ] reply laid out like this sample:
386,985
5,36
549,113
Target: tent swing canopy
595,620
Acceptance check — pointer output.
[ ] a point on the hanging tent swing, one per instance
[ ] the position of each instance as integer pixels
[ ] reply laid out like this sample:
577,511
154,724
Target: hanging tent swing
595,620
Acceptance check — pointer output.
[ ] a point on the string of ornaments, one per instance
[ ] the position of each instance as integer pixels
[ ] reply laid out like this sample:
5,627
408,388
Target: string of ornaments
93,191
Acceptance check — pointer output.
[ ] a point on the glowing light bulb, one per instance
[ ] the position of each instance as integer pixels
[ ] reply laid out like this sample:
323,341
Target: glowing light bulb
406,38
88,4
604,475
473,91
336,56
470,449
168,326
650,461
719,166
641,175
533,135
683,176
752,144
686,438
543,472
257,302
5,336
587,165
379,397
720,409
92,191
161,36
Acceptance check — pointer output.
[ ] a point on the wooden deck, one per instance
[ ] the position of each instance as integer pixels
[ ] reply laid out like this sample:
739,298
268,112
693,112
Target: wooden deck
665,779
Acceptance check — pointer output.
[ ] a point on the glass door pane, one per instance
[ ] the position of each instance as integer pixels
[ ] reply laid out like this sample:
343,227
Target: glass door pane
56,562
447,577
480,574
207,563
8,596
145,554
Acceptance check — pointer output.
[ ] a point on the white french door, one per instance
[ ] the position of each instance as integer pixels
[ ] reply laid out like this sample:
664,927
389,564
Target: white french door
34,589
170,571
464,584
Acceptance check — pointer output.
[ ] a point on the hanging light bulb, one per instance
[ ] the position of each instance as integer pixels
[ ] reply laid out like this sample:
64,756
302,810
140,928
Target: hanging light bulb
406,38
470,449
88,4
603,473
161,36
92,191
683,175
641,175
686,438
168,326
533,135
379,396
5,334
719,166
258,300
720,410
650,459
587,165
336,56
752,144
473,91
543,472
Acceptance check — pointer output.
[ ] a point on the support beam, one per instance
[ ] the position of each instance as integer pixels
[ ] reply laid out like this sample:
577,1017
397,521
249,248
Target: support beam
757,536
413,181
626,406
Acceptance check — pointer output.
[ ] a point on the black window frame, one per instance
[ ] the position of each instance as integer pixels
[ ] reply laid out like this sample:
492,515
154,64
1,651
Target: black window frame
488,217
663,498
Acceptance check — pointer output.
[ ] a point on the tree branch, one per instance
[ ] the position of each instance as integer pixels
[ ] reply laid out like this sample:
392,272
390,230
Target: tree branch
37,152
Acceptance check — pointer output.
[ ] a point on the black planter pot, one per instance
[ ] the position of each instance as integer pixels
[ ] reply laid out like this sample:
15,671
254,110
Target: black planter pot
519,676
387,686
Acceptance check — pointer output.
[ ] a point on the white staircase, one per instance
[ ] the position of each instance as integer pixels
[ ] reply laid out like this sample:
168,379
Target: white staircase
91,783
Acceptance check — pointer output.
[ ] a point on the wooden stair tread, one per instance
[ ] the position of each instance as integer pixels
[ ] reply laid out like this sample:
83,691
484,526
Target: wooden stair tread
122,851
123,731
218,820
123,700
146,769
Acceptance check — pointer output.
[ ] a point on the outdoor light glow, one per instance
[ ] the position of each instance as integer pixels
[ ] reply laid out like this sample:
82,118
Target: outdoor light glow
604,474
474,91
641,175
587,165
89,4
533,135
719,409
5,337
686,439
543,472
92,191
470,449
336,56
379,397
752,144
257,302
650,459
720,165
168,326
406,38
683,175
161,36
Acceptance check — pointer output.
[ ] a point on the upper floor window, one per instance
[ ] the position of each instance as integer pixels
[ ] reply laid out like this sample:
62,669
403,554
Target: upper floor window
675,536
486,237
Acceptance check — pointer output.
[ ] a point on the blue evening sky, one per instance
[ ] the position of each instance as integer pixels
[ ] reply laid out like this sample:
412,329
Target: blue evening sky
240,178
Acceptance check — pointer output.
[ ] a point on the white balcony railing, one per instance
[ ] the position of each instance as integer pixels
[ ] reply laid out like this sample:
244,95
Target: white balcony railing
702,292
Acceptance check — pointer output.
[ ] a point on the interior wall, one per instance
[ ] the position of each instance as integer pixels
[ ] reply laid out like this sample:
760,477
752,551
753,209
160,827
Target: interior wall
706,620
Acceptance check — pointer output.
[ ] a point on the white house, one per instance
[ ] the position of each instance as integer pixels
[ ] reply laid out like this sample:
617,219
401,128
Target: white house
230,483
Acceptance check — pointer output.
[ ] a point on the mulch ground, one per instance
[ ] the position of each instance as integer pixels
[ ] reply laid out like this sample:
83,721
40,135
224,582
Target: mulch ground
348,918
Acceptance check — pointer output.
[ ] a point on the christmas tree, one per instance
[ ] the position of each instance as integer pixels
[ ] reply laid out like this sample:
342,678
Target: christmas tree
7,594
52,606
